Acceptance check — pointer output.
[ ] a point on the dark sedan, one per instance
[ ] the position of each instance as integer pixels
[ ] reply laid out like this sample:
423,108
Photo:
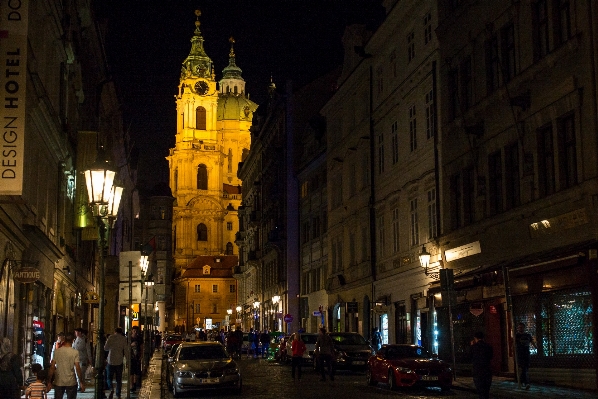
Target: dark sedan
201,366
352,350
406,366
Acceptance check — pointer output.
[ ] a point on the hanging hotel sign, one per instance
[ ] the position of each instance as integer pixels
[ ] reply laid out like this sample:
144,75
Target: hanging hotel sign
26,274
13,55
461,252
91,297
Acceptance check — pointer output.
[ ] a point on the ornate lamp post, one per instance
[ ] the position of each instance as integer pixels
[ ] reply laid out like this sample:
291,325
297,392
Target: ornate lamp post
229,312
238,309
144,264
104,199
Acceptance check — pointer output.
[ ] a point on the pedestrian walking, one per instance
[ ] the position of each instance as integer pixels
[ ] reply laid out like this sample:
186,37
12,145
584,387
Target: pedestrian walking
524,341
37,389
11,379
136,356
64,370
57,344
298,348
81,344
265,341
116,345
376,339
481,356
252,343
324,349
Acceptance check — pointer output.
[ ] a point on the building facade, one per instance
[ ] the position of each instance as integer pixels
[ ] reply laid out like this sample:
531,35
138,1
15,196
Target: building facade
64,110
212,137
519,111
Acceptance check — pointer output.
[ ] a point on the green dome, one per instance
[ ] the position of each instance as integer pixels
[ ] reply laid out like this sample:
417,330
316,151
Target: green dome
235,107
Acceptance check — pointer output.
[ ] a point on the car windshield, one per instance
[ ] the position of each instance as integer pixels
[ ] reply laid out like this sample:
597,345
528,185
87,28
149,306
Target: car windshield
173,349
173,338
401,352
202,352
309,339
351,339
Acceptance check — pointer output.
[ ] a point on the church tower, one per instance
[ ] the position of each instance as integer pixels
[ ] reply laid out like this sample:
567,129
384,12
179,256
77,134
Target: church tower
212,137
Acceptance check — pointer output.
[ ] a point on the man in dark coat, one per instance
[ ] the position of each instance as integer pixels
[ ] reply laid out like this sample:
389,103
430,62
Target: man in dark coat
481,357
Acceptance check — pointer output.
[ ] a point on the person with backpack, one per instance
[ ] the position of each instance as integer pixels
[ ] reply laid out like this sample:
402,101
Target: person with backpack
376,339
298,348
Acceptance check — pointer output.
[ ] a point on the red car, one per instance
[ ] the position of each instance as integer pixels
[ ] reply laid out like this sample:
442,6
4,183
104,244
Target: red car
170,340
406,366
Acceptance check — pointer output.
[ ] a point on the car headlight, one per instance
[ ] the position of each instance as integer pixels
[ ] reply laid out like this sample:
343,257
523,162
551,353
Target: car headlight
404,370
184,374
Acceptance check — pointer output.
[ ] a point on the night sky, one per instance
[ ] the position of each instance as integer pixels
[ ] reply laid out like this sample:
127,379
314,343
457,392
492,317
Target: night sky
146,42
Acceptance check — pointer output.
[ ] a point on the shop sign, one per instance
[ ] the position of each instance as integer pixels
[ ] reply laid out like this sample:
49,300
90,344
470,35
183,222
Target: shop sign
476,309
462,251
26,274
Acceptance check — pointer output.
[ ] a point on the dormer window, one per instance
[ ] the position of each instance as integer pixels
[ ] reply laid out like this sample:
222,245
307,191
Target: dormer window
206,270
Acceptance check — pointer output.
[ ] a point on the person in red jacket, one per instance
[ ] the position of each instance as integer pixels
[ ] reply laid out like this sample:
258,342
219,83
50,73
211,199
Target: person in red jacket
298,348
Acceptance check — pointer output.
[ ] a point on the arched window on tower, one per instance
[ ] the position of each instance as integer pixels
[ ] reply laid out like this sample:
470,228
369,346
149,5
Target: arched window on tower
176,179
202,232
202,177
229,248
200,118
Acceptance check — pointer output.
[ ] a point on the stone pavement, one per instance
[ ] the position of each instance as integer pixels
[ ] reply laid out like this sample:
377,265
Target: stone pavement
505,387
150,386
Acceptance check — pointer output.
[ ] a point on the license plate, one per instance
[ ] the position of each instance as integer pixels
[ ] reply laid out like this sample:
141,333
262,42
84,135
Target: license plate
208,380
429,378
359,362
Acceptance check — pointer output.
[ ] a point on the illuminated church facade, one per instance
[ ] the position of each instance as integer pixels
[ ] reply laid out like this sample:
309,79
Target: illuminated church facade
212,137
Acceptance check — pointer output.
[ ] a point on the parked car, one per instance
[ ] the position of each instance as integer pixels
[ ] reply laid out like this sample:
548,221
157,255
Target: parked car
309,339
169,356
408,365
352,350
203,365
170,340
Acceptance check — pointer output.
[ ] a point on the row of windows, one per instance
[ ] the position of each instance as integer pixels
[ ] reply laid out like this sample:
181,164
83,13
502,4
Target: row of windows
231,288
410,51
551,27
197,308
556,165
311,281
314,228
412,129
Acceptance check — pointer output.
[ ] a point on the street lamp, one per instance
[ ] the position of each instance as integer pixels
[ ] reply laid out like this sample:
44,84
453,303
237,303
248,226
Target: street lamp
104,199
275,301
144,265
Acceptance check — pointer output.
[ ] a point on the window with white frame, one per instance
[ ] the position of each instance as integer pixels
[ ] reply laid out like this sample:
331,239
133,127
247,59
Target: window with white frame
414,226
427,28
395,230
394,134
381,237
412,129
411,46
430,114
432,223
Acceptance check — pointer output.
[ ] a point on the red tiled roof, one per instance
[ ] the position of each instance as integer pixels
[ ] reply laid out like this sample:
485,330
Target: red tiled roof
221,266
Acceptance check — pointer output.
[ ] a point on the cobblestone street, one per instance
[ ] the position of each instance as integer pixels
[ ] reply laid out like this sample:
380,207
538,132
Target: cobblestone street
263,379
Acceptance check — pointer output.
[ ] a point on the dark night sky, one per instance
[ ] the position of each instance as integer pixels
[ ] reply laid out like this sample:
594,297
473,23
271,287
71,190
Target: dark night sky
146,42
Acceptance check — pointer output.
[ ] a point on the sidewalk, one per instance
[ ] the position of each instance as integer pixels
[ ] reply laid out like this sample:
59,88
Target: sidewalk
150,385
504,387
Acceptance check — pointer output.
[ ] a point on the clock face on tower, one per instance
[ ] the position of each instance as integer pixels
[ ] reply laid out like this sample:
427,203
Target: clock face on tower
201,87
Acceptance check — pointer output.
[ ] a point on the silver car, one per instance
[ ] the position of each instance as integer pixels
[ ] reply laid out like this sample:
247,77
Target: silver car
203,365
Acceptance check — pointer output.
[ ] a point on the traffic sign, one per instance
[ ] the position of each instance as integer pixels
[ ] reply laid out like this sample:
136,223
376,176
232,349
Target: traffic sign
288,318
